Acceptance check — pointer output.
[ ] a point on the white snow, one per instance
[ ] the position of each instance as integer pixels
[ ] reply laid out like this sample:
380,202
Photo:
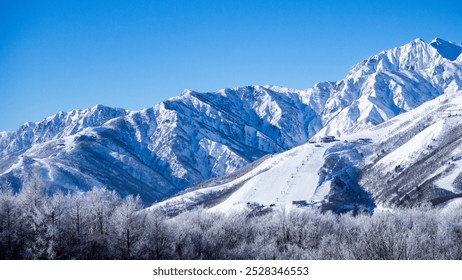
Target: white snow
454,204
289,176
196,136
446,181
414,147
279,180
18,164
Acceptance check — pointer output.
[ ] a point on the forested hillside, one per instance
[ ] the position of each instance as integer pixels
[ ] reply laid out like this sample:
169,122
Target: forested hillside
101,225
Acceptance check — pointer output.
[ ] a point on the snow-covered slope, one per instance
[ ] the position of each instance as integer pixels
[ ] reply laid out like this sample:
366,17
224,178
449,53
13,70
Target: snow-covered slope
390,83
55,127
419,157
278,179
160,151
413,158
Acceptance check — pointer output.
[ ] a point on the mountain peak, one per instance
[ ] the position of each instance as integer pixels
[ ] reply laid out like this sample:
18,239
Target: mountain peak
186,92
446,49
98,107
199,135
437,40
413,56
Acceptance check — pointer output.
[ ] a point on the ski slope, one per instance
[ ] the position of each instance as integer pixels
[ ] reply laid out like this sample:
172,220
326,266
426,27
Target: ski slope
412,140
291,176
278,181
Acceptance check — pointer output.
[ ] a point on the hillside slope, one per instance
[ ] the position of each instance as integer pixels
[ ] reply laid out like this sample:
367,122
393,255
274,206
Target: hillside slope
411,159
160,151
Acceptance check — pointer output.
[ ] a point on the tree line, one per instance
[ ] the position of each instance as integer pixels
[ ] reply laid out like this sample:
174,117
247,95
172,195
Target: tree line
100,224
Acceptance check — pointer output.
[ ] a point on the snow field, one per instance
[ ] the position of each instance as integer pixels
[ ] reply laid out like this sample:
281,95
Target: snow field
291,176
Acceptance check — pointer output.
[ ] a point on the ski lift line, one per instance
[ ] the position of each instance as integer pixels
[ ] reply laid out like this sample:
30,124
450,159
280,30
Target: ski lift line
290,184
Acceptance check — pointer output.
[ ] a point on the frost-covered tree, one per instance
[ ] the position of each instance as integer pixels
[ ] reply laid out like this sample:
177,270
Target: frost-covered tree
100,204
56,219
157,239
32,230
9,217
127,226
101,225
78,225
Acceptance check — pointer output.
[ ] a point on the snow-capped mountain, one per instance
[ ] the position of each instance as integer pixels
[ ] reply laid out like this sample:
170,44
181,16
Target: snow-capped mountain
58,126
419,157
411,159
160,151
390,83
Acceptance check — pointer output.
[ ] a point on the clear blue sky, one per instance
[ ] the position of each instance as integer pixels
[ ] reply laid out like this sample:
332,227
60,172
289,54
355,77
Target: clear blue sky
64,55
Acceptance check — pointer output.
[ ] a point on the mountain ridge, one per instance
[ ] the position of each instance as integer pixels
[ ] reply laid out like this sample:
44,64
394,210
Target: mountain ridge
413,159
159,151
